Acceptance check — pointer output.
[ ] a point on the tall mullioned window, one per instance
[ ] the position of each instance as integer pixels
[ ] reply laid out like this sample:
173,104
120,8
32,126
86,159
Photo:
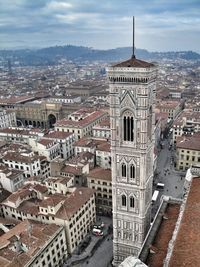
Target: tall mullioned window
128,127
132,171
132,202
123,169
124,200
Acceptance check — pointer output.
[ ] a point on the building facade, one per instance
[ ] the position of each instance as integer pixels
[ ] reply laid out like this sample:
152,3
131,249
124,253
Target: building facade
132,93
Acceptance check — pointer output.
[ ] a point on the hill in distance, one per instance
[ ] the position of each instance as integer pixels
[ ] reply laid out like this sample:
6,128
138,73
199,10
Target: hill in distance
51,55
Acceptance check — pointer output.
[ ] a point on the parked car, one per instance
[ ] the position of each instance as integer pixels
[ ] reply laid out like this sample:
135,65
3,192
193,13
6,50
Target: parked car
97,232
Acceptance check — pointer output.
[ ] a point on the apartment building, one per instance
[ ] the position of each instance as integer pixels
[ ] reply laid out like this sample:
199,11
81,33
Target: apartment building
7,118
81,122
46,147
31,244
11,179
65,140
59,185
187,123
102,130
87,144
20,135
103,155
187,151
100,180
28,162
75,211
173,108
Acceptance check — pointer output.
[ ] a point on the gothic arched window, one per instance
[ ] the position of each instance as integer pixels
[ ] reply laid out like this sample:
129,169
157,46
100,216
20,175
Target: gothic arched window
132,202
132,171
128,127
124,200
123,169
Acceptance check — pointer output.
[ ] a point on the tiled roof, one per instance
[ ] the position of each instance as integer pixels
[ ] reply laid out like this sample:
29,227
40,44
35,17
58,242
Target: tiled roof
134,63
75,170
187,244
81,123
105,146
88,142
20,158
40,235
160,245
58,135
191,142
99,173
74,202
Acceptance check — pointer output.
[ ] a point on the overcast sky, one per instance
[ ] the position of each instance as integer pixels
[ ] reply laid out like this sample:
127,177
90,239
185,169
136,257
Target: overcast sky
161,25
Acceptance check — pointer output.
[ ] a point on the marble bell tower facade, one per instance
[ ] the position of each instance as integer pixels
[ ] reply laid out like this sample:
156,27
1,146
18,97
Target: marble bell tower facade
132,86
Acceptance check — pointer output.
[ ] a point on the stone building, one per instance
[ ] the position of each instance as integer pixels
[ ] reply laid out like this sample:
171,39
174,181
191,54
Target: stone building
42,114
132,93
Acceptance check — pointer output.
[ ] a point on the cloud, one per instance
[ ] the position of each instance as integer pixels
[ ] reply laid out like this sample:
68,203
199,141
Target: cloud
92,23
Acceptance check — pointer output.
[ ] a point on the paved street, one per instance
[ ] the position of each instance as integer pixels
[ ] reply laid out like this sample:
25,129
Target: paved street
101,255
167,175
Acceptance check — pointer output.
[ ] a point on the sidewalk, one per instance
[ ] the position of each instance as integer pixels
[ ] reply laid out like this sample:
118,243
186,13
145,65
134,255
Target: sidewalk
91,248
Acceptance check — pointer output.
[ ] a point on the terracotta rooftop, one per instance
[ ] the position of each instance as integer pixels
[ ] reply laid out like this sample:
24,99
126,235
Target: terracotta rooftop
160,245
47,142
134,63
20,158
83,122
58,135
99,173
105,146
88,142
74,202
191,142
187,244
75,170
40,235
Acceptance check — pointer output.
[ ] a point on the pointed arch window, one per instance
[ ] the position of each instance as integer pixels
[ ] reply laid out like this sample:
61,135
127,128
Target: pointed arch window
128,127
132,202
123,169
123,200
132,171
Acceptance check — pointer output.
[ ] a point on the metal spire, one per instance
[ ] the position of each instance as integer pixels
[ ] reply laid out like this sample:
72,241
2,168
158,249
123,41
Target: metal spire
133,55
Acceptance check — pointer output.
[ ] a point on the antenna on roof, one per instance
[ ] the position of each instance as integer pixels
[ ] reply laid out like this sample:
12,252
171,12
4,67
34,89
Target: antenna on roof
133,55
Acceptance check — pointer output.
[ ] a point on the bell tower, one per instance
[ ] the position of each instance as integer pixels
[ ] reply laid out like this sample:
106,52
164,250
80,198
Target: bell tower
132,86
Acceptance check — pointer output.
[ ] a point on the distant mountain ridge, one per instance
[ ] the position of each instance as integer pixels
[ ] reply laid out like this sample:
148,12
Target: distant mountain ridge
51,55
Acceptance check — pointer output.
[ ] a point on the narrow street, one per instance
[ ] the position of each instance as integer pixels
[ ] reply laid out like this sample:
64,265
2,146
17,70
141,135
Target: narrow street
167,175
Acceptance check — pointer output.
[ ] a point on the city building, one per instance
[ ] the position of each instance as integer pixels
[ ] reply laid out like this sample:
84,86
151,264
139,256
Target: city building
48,148
102,130
65,140
42,113
103,155
172,107
32,244
187,151
186,124
28,162
132,93
59,185
100,180
20,135
7,118
81,122
75,210
11,179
